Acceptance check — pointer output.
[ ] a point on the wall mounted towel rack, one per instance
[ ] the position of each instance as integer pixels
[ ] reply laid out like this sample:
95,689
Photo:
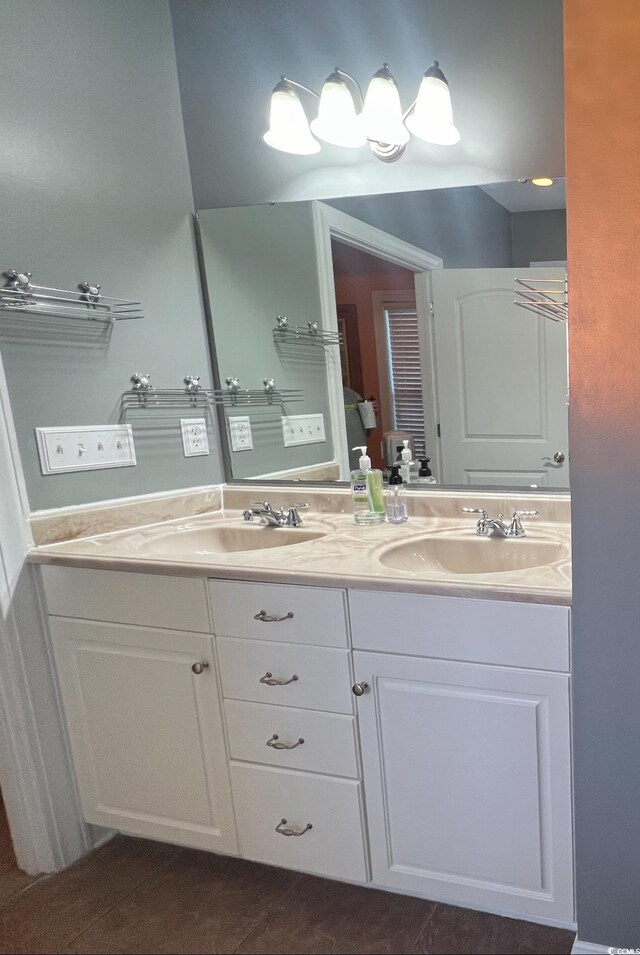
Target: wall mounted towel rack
144,396
20,295
309,334
547,297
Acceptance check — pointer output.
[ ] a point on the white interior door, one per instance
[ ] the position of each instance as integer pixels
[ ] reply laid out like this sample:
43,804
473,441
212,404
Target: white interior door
501,381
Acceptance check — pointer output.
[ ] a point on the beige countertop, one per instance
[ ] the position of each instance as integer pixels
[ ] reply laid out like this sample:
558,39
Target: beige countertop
347,555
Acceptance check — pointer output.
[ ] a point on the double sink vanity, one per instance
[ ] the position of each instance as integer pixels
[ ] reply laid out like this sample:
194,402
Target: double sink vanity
386,705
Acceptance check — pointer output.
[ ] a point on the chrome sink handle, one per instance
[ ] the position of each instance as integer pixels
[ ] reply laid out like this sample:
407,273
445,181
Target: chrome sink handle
488,526
482,523
265,512
284,517
476,510
515,528
293,518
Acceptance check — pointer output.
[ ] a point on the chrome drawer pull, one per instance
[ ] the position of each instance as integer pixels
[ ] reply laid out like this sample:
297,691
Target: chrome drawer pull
272,680
275,745
264,617
291,832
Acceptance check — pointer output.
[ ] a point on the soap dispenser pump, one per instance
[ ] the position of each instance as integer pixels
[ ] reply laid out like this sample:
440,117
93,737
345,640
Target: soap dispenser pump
366,491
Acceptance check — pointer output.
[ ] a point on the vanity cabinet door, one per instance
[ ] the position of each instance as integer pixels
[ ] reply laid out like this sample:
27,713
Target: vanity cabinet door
467,781
146,731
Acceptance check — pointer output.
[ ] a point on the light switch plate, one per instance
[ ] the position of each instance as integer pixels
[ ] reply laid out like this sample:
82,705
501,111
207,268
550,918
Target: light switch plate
303,429
240,433
85,448
195,439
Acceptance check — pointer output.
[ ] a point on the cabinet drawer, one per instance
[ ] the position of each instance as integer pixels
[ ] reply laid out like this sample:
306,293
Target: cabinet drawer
322,675
534,636
319,615
334,846
328,745
150,600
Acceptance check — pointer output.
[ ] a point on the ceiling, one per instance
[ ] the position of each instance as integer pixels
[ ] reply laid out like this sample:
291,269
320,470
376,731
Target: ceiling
525,197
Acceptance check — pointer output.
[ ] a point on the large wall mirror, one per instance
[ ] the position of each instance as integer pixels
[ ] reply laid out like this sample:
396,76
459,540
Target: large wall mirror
373,319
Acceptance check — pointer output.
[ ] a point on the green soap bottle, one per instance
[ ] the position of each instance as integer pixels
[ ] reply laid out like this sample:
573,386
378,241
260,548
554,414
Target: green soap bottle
366,492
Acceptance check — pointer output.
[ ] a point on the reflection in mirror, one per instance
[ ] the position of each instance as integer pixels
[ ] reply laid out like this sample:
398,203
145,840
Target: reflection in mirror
393,318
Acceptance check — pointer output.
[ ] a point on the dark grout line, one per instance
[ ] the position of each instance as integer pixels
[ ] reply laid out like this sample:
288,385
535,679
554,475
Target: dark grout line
25,888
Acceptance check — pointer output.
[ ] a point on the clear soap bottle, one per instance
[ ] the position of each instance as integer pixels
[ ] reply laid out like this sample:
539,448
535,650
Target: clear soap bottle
396,497
367,492
424,474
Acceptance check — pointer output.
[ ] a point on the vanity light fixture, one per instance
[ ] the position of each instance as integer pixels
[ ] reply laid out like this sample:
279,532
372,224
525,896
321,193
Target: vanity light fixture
350,121
288,126
337,121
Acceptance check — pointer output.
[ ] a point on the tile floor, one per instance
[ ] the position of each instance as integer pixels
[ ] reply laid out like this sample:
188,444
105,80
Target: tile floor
12,880
143,897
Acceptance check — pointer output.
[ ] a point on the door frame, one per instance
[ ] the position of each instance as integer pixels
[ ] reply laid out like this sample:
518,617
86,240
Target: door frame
328,224
36,777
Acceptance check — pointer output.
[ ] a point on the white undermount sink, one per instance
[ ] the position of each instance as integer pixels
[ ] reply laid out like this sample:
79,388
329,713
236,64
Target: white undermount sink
466,555
225,539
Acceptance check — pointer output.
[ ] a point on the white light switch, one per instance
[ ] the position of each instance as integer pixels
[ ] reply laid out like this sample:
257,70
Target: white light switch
303,429
195,439
240,432
85,448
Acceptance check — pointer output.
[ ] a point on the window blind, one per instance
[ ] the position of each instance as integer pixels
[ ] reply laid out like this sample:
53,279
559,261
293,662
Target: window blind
405,375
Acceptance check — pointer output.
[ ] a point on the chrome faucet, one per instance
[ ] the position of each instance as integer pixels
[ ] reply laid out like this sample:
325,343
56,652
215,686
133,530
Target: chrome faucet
496,527
285,517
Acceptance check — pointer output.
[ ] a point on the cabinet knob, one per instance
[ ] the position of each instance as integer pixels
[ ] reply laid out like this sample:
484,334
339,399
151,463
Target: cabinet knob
199,667
359,689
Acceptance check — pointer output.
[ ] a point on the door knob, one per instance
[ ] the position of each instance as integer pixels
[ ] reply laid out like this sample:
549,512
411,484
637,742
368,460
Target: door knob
559,457
359,689
197,668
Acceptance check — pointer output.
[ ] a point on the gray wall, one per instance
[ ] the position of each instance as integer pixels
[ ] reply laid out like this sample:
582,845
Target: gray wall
538,236
94,184
464,226
260,261
503,61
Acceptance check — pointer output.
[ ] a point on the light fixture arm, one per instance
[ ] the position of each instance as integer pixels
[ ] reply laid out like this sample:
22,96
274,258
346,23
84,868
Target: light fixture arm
285,79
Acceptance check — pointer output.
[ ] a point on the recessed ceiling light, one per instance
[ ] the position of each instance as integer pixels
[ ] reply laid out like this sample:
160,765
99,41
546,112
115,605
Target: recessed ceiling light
543,181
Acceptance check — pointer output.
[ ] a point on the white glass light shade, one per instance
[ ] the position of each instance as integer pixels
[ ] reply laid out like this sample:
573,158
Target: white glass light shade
382,113
288,125
337,121
432,116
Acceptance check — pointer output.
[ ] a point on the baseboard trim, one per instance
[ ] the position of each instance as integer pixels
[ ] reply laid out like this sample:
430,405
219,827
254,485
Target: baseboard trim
589,948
